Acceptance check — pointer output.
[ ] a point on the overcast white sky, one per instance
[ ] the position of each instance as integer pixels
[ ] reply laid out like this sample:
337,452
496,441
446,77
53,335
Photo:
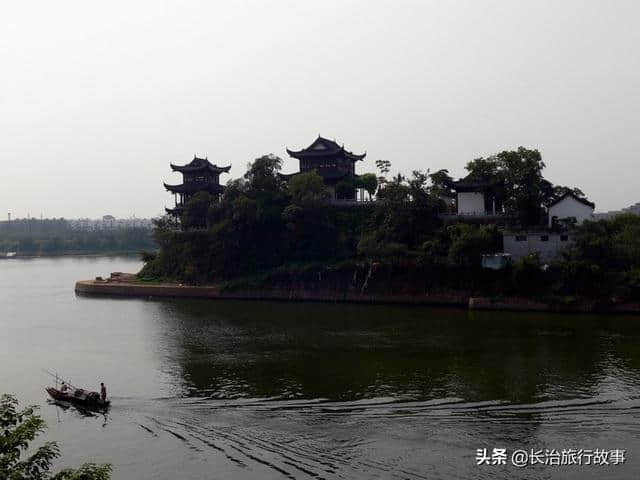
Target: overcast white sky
96,98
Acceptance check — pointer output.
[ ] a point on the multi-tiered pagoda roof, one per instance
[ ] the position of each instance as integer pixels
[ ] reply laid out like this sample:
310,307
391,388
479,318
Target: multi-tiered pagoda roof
322,148
199,175
331,161
199,165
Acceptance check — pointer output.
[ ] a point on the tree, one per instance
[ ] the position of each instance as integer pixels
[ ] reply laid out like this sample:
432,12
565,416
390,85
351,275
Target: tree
406,214
369,182
517,182
196,210
604,260
309,230
346,188
441,183
528,276
262,174
385,167
470,242
18,428
560,190
308,191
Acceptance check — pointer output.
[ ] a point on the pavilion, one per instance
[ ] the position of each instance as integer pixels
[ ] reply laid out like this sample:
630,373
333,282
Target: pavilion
199,175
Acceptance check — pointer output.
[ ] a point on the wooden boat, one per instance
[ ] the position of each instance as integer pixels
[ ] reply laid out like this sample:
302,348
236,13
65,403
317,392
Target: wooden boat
79,396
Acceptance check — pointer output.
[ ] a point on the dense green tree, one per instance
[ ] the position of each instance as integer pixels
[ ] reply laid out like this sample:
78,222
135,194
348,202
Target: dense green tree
604,260
57,242
529,277
196,210
264,224
469,242
369,182
309,230
308,191
441,183
518,183
406,214
18,428
346,188
560,190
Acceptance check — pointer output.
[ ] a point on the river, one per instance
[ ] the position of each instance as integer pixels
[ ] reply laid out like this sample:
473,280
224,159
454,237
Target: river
260,390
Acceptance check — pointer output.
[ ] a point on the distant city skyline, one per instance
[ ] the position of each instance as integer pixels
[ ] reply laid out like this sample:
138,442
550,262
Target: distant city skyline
98,99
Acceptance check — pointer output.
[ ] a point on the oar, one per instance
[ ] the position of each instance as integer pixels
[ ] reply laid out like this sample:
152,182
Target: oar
55,375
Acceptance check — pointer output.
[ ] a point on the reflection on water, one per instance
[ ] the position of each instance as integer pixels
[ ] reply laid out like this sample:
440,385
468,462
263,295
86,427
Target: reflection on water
269,390
352,352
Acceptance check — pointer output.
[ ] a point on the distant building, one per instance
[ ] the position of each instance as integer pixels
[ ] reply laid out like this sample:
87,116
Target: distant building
332,162
547,245
570,206
633,209
474,200
108,221
89,224
199,175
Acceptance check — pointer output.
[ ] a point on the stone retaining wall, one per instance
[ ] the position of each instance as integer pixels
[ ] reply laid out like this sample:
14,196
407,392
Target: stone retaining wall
136,289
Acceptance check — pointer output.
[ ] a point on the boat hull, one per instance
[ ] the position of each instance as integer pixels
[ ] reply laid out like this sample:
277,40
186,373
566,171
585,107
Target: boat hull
79,397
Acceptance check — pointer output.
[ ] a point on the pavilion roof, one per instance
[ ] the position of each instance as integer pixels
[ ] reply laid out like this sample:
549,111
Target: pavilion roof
192,187
323,147
468,185
198,165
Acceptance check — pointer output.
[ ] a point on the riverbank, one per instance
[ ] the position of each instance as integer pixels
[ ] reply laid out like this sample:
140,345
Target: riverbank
114,253
331,295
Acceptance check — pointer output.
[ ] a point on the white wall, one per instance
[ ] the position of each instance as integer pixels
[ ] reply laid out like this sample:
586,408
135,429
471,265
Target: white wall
570,207
523,244
470,203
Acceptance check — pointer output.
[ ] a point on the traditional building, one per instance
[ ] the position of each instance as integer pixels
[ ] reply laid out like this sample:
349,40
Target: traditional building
332,162
568,206
475,198
547,245
199,175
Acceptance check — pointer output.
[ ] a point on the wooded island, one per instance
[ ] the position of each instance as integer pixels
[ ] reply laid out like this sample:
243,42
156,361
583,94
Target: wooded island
409,234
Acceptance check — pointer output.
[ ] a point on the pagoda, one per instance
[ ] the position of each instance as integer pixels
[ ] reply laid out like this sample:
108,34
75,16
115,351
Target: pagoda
329,160
199,175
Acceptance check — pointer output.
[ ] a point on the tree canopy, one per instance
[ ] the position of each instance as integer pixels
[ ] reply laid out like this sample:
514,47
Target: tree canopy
263,223
20,427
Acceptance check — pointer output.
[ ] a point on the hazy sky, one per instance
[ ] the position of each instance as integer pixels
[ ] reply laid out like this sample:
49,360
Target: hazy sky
96,98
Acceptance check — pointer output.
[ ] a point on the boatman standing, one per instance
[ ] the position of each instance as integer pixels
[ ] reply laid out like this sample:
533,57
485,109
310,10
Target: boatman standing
103,392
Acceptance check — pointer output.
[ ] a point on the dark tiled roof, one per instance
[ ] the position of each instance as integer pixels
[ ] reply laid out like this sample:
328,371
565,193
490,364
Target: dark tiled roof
323,147
464,185
192,187
198,165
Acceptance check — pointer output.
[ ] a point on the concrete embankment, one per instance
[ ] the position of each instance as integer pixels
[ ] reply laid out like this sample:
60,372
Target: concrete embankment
174,290
136,289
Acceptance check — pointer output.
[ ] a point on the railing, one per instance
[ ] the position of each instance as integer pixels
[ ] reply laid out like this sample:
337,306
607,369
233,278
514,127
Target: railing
352,203
474,214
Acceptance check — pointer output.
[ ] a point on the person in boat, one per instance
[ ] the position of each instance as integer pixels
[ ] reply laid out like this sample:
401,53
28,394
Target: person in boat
64,388
103,392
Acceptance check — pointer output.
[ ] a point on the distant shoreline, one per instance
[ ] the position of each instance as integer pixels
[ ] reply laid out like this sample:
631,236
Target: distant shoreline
177,290
125,253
